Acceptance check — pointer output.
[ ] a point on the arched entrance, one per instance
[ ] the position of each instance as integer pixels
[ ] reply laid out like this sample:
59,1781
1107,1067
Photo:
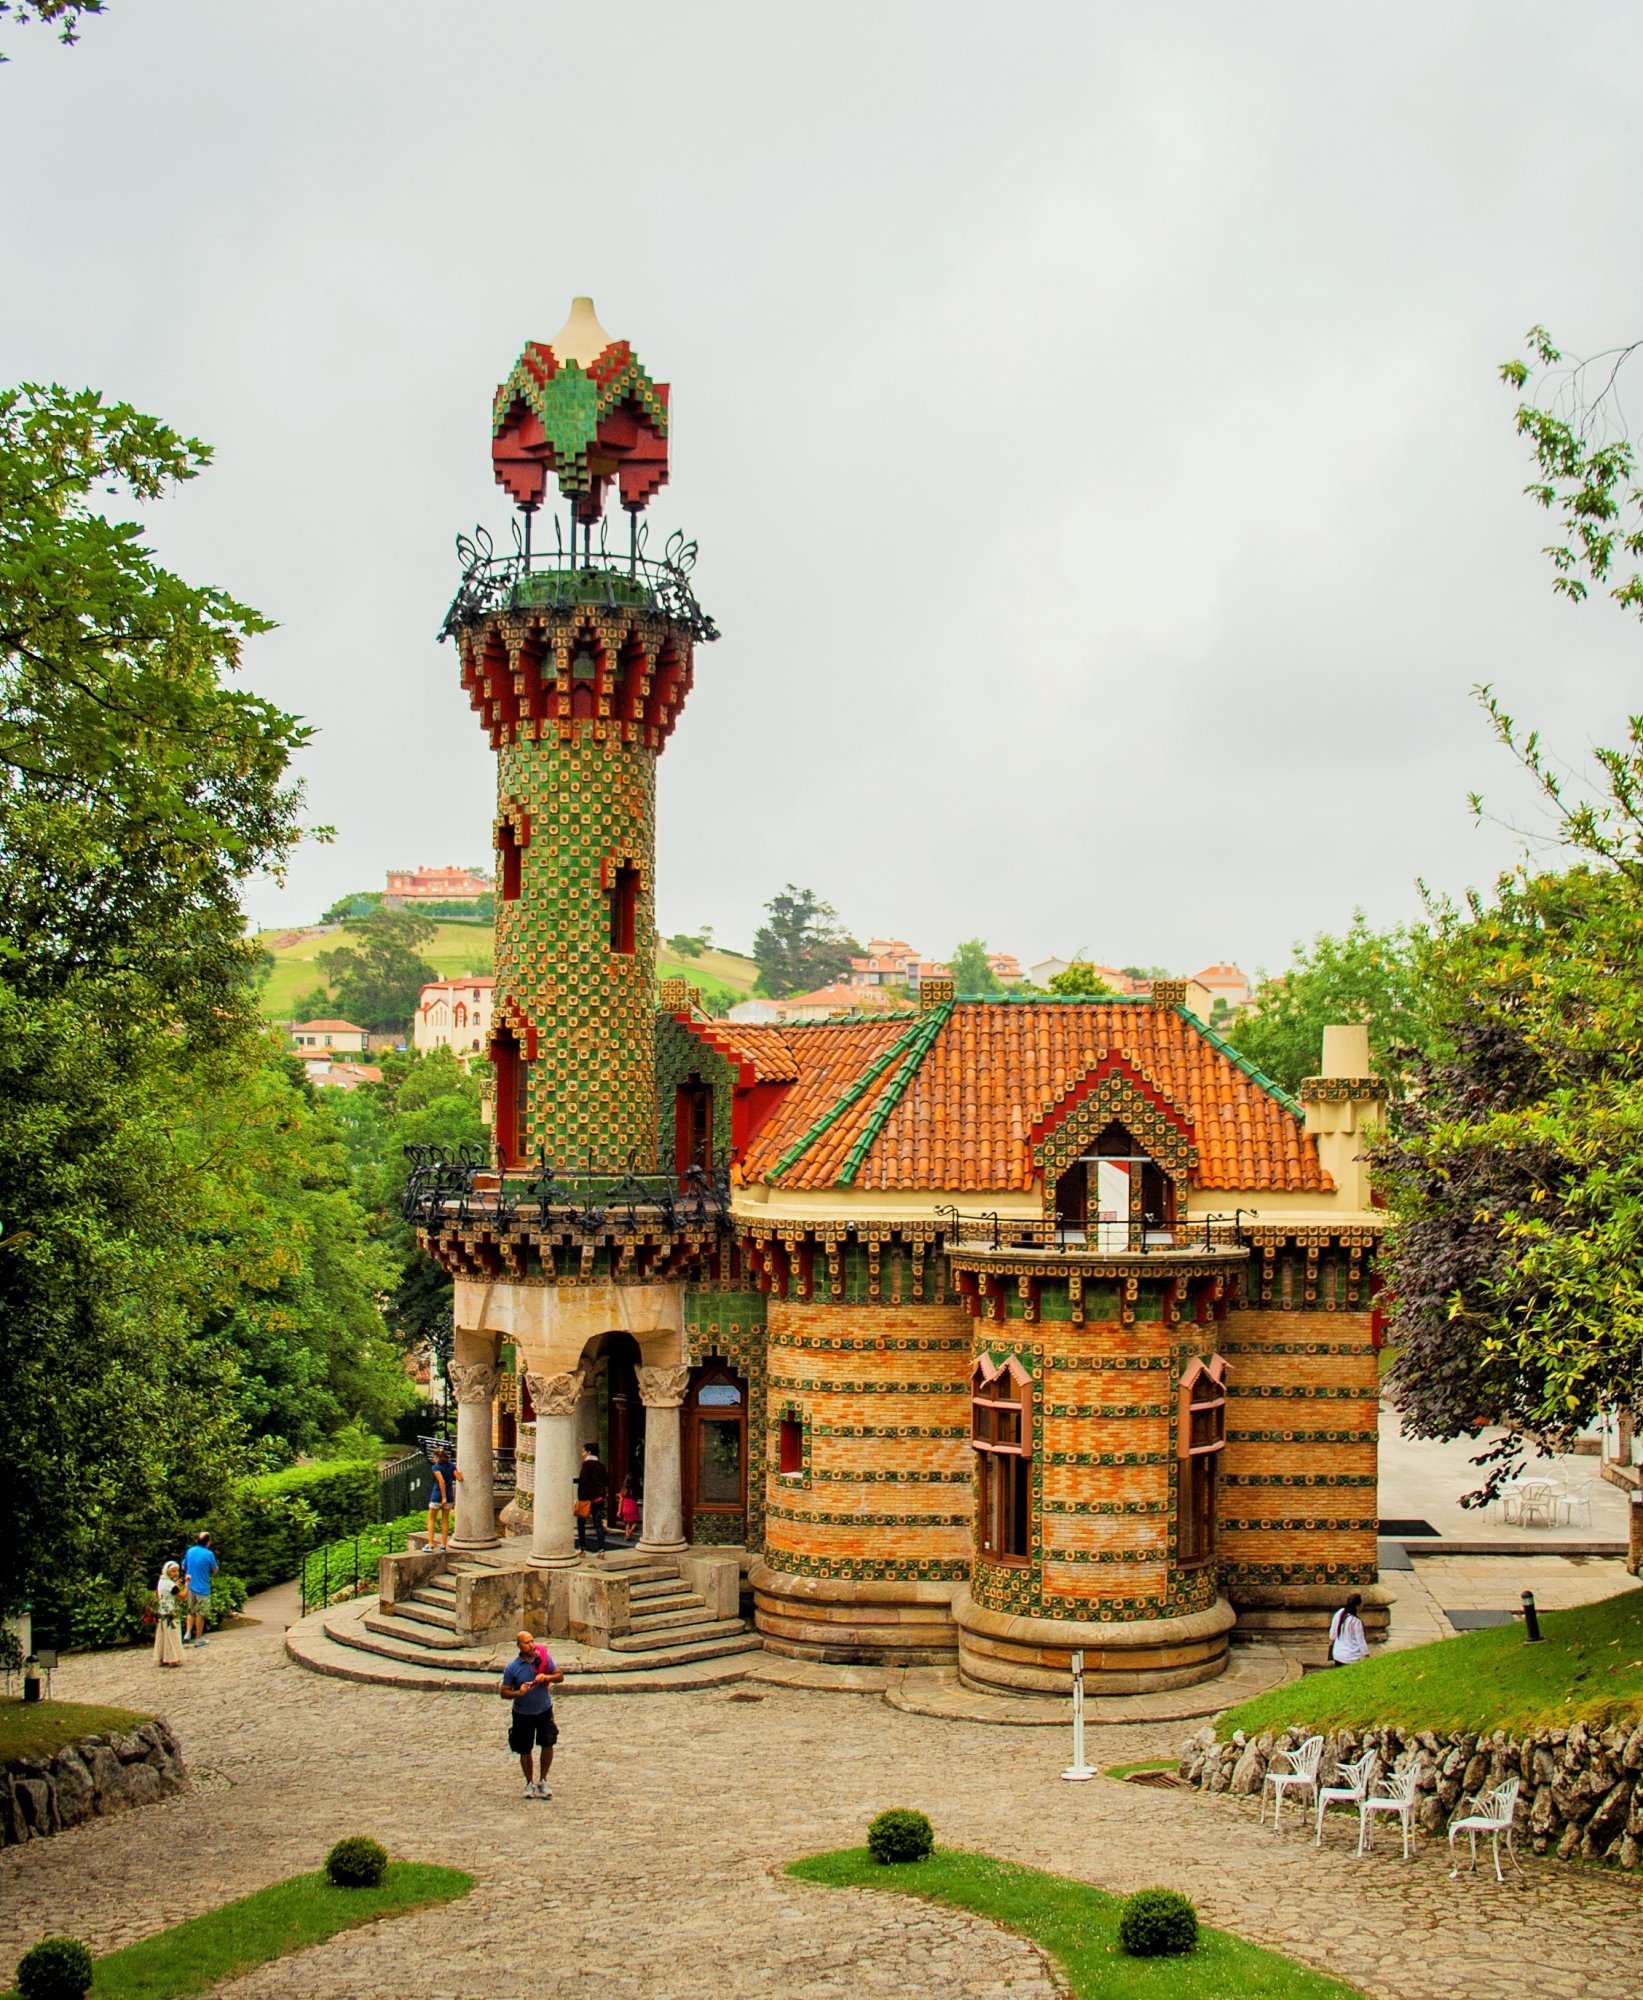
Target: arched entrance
715,1455
616,1412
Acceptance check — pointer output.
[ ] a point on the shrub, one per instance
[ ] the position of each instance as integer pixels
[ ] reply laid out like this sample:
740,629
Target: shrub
57,1968
357,1862
1157,1923
270,1523
900,1835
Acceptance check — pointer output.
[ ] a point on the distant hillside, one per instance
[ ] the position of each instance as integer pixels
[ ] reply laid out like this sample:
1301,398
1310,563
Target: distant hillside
466,947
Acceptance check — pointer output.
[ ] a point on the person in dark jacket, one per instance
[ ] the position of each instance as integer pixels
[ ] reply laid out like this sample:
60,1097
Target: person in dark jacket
592,1489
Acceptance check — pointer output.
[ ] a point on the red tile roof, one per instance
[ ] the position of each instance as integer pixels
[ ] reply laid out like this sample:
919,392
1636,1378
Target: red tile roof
961,1117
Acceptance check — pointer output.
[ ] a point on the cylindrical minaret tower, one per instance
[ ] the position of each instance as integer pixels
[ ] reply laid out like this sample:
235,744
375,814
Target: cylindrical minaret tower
578,660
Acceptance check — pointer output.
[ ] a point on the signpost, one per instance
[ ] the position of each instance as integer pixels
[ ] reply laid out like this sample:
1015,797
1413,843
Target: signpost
1078,1770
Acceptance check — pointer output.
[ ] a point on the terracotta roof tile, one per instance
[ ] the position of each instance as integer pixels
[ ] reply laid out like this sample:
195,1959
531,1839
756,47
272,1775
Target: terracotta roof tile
963,1119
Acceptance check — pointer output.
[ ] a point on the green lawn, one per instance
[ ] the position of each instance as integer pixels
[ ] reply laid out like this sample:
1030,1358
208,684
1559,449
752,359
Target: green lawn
1587,1668
194,1956
458,948
1078,1926
41,1728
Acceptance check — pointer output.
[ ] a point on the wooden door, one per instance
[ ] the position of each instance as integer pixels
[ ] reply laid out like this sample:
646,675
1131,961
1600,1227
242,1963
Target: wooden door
715,1466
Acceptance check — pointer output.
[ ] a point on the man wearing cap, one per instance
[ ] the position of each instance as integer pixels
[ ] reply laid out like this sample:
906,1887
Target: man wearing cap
528,1681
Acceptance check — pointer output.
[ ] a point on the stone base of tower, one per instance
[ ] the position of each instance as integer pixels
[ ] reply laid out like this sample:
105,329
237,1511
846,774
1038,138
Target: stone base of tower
1003,1654
854,1623
1300,1612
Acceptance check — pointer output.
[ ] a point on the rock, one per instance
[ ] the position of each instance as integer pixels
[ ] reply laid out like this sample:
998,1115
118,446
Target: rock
1570,1841
35,1801
1478,1775
134,1748
1631,1851
143,1785
72,1785
1608,1817
1632,1755
1249,1771
1544,1817
105,1771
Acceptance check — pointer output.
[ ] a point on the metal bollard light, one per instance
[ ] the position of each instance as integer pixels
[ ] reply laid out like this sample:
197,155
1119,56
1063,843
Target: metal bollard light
1078,1770
1531,1620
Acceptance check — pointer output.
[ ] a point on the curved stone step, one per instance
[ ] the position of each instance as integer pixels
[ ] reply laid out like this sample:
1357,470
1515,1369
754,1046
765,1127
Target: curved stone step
417,1613
691,1634
379,1634
658,1621
427,1638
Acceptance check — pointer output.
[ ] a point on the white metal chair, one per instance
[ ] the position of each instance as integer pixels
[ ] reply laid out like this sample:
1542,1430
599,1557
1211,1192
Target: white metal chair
1536,1504
1492,1813
1399,1798
1302,1776
1353,1781
1577,1498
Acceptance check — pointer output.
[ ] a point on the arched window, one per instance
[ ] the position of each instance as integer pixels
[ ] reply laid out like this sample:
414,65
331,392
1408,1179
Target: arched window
1001,1437
1201,1438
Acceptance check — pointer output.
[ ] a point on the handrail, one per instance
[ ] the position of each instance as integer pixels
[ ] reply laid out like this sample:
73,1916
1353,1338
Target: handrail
564,578
996,1231
443,1186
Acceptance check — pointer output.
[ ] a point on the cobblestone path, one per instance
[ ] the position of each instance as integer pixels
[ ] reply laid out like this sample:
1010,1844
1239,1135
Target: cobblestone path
655,1869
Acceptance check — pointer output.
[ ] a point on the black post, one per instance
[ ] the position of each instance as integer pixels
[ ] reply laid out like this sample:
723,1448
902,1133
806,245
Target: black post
1531,1619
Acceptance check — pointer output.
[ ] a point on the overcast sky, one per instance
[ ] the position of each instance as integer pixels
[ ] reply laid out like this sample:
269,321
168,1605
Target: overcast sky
1087,414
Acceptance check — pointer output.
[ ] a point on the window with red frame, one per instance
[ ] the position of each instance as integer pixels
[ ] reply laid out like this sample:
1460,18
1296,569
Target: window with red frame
790,1448
624,910
1202,1436
509,863
1001,1437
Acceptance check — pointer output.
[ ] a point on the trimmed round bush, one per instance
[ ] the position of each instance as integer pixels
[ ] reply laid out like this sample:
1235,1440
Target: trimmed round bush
57,1968
357,1862
1157,1923
900,1835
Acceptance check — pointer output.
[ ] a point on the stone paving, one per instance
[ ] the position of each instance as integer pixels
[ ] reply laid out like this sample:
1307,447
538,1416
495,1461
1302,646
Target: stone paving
655,1869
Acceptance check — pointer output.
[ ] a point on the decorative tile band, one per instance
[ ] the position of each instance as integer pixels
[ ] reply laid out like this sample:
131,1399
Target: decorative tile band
1298,1479
892,1430
843,1518
866,1388
1298,1437
847,1569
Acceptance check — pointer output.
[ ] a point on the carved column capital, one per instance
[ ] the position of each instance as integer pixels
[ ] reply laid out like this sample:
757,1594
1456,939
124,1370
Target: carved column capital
556,1395
662,1388
473,1381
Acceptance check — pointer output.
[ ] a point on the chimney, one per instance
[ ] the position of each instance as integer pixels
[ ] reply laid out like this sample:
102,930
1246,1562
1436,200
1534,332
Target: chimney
1340,1101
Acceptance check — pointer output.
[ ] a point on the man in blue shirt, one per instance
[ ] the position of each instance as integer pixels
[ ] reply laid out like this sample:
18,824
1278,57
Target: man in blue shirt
528,1682
199,1566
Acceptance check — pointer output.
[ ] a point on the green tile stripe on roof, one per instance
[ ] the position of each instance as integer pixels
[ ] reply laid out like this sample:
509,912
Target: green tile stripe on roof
918,1048
852,1095
1290,1104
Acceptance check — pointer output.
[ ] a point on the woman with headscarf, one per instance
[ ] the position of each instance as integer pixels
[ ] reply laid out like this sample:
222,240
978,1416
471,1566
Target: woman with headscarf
168,1635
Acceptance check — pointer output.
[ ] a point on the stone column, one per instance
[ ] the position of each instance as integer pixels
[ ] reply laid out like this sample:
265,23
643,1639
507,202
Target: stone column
553,1525
474,1385
662,1391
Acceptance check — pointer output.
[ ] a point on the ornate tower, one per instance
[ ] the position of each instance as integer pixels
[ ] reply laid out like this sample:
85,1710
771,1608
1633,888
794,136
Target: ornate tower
578,661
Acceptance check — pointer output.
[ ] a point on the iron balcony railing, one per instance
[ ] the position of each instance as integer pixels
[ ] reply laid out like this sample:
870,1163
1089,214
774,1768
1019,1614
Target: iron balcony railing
562,578
991,1230
445,1187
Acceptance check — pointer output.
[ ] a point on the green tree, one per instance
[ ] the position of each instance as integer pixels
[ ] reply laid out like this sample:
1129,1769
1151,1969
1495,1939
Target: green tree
972,972
350,908
377,981
1079,981
140,791
801,946
1363,975
64,15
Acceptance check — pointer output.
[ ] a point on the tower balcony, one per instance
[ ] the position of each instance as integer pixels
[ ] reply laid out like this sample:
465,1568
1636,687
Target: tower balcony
628,1226
588,574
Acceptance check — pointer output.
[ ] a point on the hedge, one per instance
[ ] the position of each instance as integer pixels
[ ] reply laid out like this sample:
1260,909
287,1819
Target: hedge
269,1524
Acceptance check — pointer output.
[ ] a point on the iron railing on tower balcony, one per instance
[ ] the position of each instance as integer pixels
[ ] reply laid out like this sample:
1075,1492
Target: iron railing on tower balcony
991,1230
580,574
447,1186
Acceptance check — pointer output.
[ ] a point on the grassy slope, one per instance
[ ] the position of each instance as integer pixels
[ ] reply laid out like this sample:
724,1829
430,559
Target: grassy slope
460,948
1078,1926
41,1728
194,1956
1588,1667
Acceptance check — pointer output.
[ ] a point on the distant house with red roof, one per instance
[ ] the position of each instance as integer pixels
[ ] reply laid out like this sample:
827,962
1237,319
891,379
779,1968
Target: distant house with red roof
1225,983
435,885
454,1014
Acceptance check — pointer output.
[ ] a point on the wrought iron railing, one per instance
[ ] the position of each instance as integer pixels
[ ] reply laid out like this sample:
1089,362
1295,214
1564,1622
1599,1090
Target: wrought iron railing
402,1485
992,1230
444,1186
563,577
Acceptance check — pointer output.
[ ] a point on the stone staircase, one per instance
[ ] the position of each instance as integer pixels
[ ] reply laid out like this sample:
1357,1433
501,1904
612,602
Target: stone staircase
673,1643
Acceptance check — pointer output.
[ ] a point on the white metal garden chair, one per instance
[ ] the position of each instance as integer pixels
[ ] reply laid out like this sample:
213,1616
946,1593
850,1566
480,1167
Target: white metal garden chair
1492,1813
1536,1504
1301,1776
1398,1797
1575,1498
1352,1781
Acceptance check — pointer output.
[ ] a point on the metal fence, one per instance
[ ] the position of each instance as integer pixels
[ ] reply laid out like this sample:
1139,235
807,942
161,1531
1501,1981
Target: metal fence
994,1231
339,1568
402,1485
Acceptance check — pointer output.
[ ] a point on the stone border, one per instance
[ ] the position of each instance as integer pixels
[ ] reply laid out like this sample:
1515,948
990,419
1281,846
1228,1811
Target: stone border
87,1779
1582,1788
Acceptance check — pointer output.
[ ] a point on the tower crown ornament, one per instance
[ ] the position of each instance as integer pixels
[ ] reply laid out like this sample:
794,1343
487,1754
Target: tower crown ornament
581,408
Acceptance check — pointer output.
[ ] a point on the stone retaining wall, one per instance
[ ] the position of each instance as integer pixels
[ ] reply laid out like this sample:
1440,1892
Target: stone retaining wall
96,1775
1582,1788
